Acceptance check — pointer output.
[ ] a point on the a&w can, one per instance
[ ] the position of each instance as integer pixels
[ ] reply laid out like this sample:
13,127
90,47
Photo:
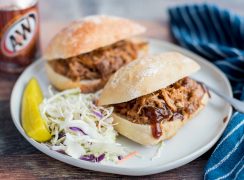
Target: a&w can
19,34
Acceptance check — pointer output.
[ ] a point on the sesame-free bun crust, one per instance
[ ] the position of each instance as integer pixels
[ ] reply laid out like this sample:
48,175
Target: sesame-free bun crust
146,75
142,133
90,33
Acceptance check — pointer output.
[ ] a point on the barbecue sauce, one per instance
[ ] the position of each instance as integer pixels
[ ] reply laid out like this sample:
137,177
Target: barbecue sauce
225,119
156,115
155,119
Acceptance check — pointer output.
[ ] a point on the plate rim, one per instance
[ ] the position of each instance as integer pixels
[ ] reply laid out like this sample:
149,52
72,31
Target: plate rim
141,171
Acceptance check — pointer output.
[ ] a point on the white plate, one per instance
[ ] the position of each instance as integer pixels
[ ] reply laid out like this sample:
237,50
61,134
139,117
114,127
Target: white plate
194,139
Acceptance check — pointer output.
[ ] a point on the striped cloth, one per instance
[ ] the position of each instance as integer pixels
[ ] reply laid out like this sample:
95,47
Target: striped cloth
217,35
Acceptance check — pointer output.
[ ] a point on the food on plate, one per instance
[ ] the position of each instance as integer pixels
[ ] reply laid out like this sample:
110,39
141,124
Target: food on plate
87,52
80,128
32,122
153,97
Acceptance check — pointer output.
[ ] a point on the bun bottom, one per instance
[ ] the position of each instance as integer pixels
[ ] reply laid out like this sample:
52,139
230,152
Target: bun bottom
61,82
142,133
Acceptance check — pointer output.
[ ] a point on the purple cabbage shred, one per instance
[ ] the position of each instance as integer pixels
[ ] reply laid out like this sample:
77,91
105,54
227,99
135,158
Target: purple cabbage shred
120,157
61,151
92,158
77,129
60,135
98,114
100,158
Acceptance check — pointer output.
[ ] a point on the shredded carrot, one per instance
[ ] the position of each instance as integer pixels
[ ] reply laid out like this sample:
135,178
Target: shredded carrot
130,155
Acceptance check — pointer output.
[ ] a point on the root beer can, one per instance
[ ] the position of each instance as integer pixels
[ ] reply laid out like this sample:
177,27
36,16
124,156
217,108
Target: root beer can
19,34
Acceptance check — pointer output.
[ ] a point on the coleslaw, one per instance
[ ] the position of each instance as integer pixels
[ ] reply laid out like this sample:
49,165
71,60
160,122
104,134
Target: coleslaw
79,127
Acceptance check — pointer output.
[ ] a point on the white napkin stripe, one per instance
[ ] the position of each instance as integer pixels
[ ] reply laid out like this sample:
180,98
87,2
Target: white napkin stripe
231,132
225,158
238,172
229,173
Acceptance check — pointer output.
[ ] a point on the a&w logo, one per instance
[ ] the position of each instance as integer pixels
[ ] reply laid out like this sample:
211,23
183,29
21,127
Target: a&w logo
19,35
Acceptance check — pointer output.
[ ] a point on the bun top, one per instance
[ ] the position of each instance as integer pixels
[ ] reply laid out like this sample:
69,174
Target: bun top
146,75
90,33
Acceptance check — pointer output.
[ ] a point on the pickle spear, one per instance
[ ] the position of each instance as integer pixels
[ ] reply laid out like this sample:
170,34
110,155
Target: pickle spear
33,124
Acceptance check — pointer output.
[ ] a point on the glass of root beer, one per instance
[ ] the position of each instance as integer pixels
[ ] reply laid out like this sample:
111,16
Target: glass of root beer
19,34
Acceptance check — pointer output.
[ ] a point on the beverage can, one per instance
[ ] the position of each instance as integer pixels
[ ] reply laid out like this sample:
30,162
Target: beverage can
19,34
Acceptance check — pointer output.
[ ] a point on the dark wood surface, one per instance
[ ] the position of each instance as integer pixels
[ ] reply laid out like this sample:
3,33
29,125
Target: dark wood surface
19,159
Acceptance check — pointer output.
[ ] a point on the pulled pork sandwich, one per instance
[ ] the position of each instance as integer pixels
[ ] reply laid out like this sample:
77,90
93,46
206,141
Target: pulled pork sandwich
153,97
87,52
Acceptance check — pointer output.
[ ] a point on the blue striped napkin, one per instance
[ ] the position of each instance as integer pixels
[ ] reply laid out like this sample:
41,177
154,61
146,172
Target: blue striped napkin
217,35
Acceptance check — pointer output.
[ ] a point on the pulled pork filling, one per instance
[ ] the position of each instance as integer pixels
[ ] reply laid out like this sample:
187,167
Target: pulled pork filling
100,63
176,101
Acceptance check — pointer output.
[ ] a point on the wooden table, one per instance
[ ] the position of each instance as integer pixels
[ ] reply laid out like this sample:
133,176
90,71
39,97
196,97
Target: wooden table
20,160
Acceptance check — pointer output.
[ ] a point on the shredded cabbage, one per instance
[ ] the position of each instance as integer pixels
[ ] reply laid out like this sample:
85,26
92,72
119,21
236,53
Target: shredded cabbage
159,150
79,127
